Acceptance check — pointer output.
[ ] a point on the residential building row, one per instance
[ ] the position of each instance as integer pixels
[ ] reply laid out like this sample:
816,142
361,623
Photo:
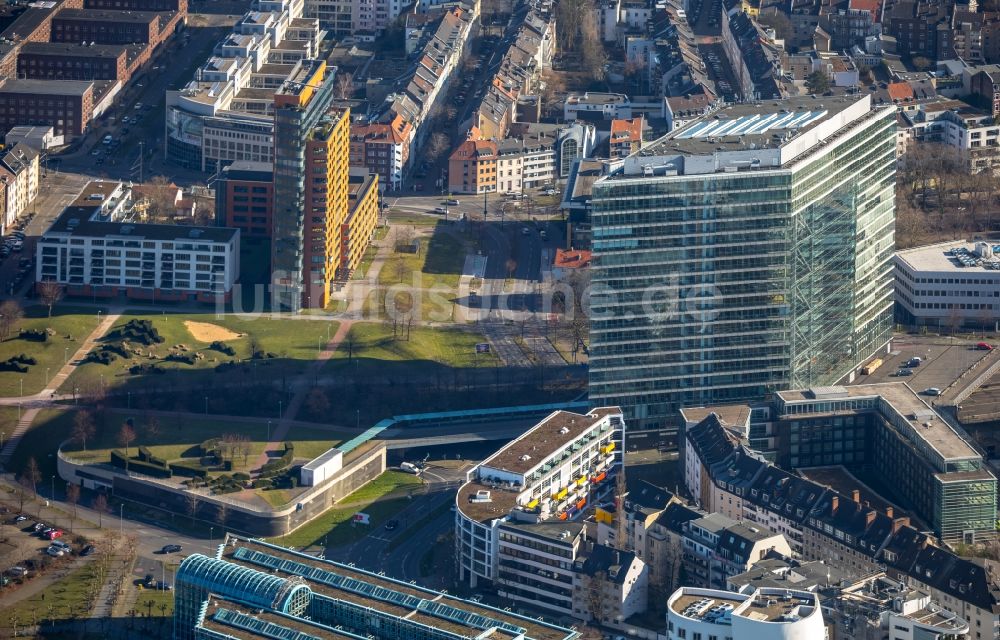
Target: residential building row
532,156
935,474
386,141
64,62
18,183
97,248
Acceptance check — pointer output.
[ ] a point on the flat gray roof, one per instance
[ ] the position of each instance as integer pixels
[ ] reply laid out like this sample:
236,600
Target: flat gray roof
941,258
47,87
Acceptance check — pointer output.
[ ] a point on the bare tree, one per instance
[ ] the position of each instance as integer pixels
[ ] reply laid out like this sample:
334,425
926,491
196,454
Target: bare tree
344,88
403,237
21,490
437,146
350,343
72,498
100,505
162,193
126,436
399,268
32,474
192,505
317,403
10,314
50,292
152,429
83,428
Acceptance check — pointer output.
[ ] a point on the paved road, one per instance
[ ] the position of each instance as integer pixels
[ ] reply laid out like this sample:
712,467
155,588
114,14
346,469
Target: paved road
383,550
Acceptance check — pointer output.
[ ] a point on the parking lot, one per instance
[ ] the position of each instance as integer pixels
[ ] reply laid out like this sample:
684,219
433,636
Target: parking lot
23,551
943,361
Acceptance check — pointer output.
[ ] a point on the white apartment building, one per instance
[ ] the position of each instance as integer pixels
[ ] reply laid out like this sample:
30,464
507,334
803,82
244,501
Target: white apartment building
517,518
949,285
225,113
970,132
19,180
94,249
767,614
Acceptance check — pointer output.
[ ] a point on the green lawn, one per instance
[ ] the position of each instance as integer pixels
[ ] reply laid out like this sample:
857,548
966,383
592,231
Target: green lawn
67,600
439,263
51,354
374,345
293,342
174,438
335,527
414,220
8,420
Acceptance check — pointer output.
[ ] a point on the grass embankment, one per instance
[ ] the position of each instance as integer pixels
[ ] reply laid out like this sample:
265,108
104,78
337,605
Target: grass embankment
381,498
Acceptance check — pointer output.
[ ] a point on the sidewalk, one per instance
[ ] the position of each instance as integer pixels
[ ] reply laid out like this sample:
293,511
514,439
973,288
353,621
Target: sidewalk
10,445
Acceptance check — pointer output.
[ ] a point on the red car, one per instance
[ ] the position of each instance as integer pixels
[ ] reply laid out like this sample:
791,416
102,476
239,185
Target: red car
984,346
52,535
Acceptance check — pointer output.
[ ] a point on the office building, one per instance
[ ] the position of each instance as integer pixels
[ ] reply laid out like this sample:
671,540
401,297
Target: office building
517,525
747,252
226,113
311,147
96,249
885,428
251,589
244,197
766,614
949,285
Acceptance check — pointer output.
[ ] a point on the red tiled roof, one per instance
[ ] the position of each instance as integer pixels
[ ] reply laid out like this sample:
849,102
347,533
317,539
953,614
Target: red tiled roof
900,91
871,6
571,259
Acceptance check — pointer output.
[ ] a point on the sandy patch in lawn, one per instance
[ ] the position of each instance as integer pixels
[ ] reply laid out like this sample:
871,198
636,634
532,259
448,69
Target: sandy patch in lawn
206,332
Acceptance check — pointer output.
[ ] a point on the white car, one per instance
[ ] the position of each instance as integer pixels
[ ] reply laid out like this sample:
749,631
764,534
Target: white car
55,552
931,391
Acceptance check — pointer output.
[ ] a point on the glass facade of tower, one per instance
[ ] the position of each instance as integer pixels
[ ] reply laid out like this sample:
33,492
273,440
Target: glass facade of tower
725,286
293,125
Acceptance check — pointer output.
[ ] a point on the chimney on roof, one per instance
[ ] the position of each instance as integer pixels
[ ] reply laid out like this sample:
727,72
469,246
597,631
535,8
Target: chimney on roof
856,495
870,517
899,523
834,504
889,511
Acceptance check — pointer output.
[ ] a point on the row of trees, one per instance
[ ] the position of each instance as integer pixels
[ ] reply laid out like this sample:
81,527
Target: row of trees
579,36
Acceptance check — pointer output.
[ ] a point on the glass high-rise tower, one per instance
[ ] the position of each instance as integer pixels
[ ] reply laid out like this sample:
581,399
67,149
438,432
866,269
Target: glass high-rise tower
747,252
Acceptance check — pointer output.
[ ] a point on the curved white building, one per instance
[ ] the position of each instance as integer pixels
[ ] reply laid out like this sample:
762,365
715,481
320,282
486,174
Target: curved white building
766,614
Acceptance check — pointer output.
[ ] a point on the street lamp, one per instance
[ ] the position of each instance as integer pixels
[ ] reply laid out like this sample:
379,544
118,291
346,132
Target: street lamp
21,384
98,317
129,405
280,411
46,376
121,519
211,535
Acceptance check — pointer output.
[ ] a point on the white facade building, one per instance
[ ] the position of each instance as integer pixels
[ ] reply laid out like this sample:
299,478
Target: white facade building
93,248
767,614
597,106
516,522
949,285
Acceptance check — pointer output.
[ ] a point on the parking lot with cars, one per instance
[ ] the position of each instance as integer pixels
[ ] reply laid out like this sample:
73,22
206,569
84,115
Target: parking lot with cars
29,547
942,361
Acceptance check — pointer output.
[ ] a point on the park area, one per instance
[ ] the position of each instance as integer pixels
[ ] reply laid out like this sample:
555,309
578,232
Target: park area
45,343
218,455
379,347
199,349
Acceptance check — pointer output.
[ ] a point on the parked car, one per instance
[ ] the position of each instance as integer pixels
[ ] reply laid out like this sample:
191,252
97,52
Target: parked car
440,210
525,231
904,372
984,346
87,550
55,552
544,234
392,524
170,548
914,362
17,572
38,527
55,533
108,139
59,544
20,518
451,202
931,391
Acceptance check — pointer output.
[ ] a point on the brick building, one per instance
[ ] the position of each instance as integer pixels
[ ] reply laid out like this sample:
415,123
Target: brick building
106,27
64,61
244,196
67,106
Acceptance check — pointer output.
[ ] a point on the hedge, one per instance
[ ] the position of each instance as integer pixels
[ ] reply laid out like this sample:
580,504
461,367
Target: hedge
120,461
278,465
188,471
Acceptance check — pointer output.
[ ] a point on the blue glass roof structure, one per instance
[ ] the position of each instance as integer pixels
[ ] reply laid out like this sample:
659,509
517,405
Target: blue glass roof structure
751,125
240,583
